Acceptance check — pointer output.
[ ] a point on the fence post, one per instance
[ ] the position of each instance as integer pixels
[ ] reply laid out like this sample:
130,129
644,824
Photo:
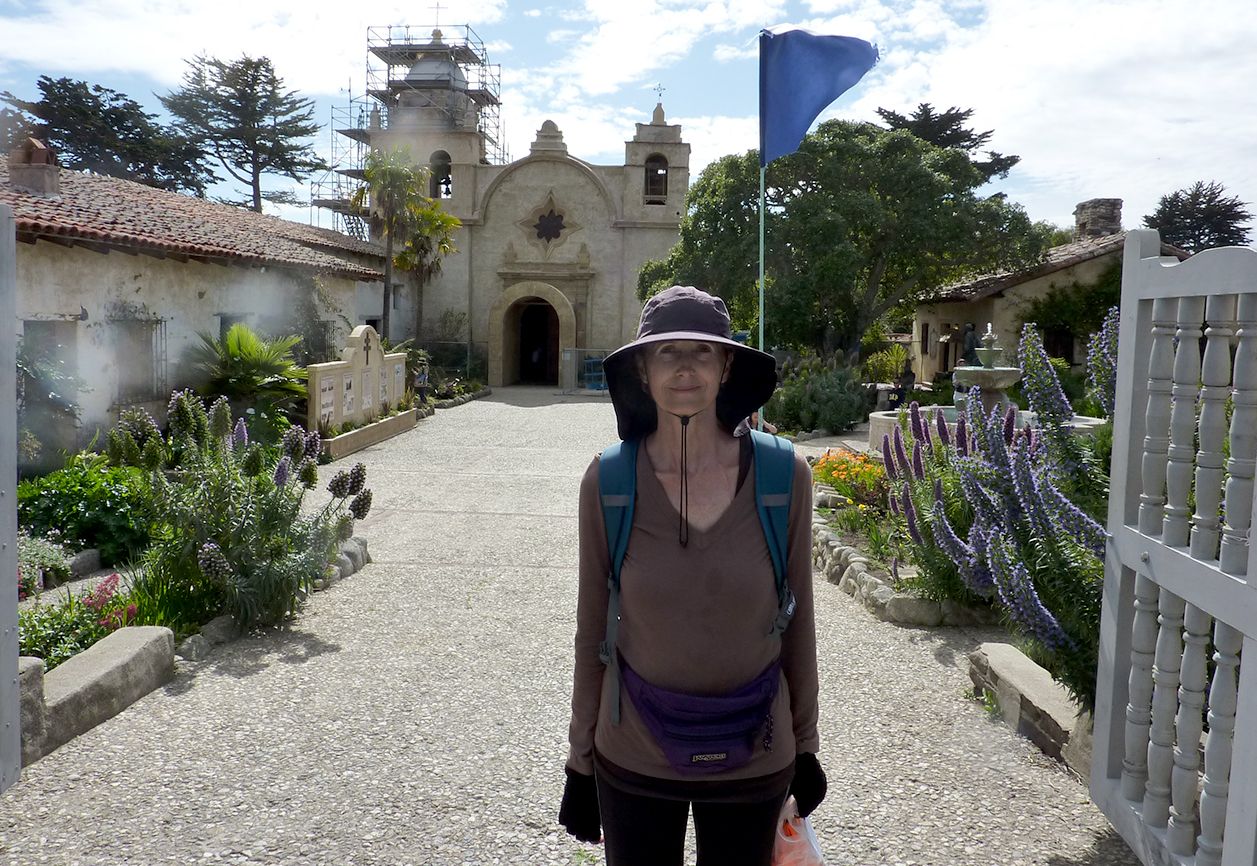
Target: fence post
10,692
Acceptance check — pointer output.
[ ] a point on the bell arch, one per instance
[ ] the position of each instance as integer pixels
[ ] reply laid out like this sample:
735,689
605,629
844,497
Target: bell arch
504,336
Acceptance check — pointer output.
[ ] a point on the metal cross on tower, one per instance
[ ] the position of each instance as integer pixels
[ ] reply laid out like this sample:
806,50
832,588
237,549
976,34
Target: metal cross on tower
659,89
437,20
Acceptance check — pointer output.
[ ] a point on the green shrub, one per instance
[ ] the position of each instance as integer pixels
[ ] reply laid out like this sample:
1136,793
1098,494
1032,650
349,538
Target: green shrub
887,365
41,563
818,394
230,534
91,504
54,632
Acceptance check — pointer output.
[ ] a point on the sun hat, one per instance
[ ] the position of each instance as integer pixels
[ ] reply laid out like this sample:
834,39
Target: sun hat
687,313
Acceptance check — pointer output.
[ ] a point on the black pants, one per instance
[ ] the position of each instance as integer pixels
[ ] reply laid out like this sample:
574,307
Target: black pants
650,831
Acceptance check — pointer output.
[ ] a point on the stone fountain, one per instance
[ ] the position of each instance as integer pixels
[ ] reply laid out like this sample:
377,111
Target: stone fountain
992,377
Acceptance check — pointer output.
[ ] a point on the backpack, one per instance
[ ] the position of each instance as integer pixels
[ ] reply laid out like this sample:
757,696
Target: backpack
617,489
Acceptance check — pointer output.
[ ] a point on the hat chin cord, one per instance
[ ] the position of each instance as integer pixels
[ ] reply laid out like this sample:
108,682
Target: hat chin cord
683,531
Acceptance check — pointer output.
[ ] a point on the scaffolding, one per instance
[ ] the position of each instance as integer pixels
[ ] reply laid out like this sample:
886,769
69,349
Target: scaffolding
471,103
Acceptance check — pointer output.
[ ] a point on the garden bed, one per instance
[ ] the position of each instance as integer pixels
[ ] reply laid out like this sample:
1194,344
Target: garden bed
370,434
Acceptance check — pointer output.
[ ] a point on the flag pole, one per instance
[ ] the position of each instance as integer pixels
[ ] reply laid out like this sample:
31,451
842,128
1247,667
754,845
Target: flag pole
762,169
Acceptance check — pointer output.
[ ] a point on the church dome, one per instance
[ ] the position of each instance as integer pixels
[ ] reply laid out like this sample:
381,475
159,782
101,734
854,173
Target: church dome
438,70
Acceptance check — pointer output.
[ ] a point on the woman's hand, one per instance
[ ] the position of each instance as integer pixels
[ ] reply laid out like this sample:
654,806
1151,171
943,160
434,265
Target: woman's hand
808,785
578,813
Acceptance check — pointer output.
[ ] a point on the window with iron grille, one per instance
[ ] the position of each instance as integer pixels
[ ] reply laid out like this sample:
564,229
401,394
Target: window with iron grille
140,356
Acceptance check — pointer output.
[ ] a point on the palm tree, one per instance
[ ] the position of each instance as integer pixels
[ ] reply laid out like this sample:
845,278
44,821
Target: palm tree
401,211
249,370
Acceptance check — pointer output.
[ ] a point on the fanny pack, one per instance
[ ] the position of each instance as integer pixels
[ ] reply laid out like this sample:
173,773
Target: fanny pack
703,734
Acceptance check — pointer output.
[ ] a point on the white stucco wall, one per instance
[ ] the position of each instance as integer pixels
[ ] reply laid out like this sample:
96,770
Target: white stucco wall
60,283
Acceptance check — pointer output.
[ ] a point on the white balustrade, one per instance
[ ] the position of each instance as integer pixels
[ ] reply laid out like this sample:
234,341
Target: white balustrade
1157,419
1233,557
1215,388
1182,450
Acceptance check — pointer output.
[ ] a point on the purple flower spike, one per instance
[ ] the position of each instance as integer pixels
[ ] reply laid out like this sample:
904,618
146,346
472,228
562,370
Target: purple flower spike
1010,424
240,436
914,416
888,458
918,466
281,471
938,490
940,421
962,435
894,504
910,515
901,456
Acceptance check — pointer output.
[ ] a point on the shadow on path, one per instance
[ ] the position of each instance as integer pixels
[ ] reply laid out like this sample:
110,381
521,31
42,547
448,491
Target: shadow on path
254,653
1108,849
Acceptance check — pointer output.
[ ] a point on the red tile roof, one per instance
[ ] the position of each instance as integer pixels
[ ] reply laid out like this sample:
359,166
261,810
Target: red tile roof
106,211
1055,259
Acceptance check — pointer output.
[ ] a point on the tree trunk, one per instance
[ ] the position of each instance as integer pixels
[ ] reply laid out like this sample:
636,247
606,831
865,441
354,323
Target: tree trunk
388,285
257,190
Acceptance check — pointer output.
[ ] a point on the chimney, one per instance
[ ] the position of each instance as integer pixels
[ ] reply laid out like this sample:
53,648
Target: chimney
33,168
1097,217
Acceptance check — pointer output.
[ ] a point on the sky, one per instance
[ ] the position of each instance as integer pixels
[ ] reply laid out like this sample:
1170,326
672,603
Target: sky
1127,99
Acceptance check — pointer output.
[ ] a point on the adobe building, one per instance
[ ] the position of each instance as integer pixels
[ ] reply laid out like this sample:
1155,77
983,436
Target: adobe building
550,245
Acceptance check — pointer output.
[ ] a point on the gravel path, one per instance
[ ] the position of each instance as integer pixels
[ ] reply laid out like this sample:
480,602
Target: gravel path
416,713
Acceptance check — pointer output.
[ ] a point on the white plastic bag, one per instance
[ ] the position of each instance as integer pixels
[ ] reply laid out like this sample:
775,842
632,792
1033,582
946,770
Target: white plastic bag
796,843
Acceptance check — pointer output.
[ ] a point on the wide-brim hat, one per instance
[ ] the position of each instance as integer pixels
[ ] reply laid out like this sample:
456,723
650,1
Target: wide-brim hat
687,313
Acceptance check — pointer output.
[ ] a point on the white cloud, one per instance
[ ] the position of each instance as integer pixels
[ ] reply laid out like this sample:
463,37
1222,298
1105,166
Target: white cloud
497,46
726,53
316,50
532,13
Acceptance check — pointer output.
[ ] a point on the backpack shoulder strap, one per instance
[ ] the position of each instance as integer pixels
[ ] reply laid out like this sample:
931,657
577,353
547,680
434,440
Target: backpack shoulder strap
617,492
774,484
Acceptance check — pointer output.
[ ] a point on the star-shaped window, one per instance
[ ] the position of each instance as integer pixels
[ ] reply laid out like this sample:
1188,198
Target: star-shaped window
549,226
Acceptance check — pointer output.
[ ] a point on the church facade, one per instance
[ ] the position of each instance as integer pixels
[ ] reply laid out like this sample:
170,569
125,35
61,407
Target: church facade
550,245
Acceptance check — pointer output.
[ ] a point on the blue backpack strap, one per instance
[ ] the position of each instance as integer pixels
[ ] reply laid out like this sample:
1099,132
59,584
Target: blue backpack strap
774,483
617,490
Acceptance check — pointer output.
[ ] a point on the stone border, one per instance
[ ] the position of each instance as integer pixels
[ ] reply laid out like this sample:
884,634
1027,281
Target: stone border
465,398
1033,704
854,574
370,434
124,666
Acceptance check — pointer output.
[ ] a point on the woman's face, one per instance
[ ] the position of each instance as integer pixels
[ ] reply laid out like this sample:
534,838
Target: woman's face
684,376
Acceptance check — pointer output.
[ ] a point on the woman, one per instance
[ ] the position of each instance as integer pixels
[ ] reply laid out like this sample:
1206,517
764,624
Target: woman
698,601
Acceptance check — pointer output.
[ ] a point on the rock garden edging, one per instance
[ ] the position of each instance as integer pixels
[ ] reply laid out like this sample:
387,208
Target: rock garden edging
118,670
460,400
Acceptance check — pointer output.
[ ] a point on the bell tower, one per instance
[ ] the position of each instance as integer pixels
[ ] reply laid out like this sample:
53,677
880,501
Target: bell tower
657,171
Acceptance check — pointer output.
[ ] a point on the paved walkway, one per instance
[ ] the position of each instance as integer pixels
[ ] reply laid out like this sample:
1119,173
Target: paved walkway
416,713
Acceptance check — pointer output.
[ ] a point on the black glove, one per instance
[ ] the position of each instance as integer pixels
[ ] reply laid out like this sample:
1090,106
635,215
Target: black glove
578,812
808,785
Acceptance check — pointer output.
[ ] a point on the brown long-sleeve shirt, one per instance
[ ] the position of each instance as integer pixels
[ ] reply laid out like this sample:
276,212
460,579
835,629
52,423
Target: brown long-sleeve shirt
694,619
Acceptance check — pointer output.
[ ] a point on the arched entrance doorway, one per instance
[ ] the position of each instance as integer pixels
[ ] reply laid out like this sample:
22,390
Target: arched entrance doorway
536,328
531,324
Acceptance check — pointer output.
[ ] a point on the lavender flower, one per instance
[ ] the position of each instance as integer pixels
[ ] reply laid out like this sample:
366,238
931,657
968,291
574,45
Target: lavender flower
975,576
360,505
1010,424
1040,383
894,503
962,435
308,473
901,456
282,469
1018,594
357,478
1072,519
910,515
940,421
294,443
1027,493
220,418
918,465
213,562
339,485
888,459
314,445
938,490
914,417
1102,362
240,436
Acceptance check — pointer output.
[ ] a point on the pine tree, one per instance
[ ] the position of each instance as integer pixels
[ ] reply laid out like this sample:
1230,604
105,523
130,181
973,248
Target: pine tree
94,128
1199,217
947,129
248,121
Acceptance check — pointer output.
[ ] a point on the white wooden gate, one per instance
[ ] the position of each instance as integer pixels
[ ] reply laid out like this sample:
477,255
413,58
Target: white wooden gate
10,701
1175,759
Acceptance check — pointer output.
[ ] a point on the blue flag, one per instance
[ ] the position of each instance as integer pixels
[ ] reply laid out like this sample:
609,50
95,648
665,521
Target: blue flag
801,73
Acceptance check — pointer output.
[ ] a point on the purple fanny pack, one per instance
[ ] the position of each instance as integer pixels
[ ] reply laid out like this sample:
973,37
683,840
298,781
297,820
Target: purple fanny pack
701,734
